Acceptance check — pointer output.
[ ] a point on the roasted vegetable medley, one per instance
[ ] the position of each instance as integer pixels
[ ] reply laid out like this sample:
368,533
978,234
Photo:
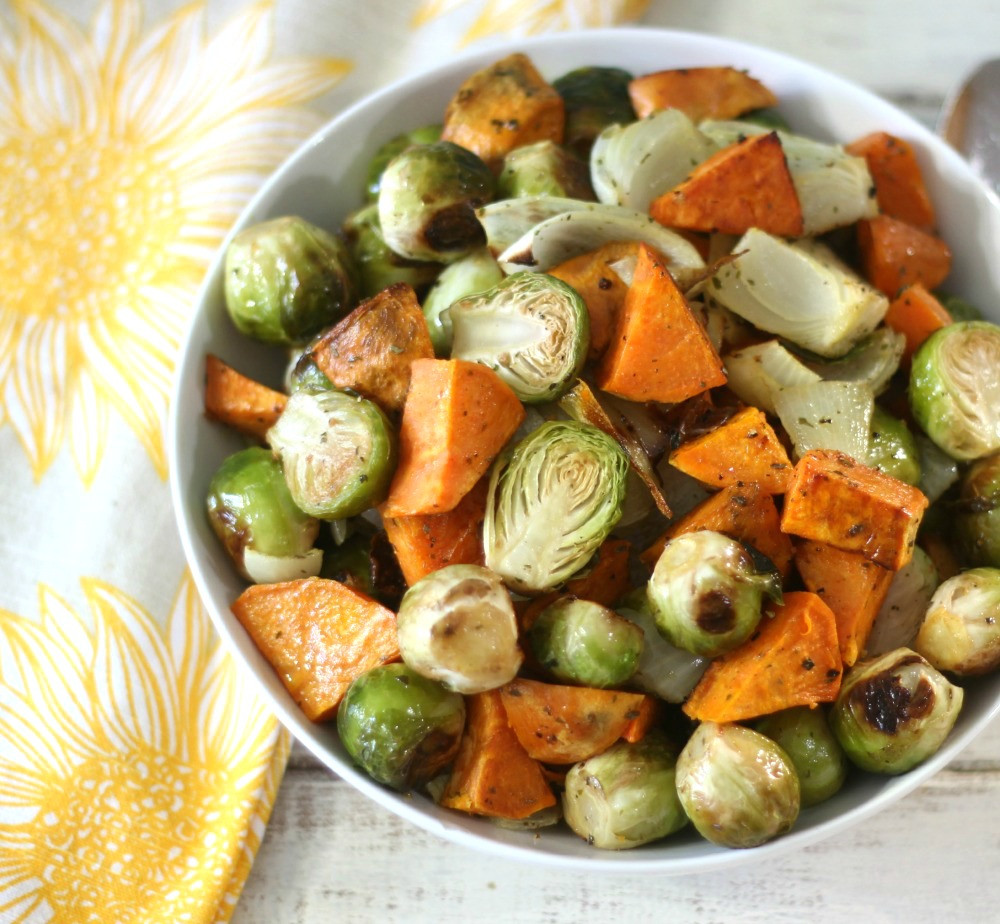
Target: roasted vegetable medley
634,466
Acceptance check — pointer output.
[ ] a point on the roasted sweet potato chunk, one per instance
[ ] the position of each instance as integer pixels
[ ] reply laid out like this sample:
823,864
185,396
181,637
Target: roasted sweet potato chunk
238,401
700,92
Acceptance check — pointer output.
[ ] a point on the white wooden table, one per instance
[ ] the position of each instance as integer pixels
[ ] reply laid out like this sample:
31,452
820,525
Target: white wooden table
331,855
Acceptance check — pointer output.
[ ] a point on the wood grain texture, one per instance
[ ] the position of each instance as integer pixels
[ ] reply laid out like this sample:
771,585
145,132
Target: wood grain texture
331,855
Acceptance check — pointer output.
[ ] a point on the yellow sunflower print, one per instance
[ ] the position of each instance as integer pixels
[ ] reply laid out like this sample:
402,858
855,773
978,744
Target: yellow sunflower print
527,17
137,769
124,158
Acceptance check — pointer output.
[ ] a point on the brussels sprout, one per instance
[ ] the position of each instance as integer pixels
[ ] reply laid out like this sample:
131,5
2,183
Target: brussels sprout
706,594
251,510
552,501
475,272
428,198
804,735
544,169
401,728
631,165
426,134
899,617
961,630
286,280
626,796
457,626
799,291
533,330
894,712
977,513
379,266
955,388
594,98
582,642
337,450
664,670
738,787
892,448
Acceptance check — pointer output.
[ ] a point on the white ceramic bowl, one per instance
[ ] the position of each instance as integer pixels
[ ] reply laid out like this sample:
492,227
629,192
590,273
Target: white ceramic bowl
323,181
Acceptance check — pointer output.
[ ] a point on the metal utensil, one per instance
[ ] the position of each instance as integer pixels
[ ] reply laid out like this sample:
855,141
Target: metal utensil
970,121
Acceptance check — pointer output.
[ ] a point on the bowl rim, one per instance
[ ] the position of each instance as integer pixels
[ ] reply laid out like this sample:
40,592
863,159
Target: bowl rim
710,858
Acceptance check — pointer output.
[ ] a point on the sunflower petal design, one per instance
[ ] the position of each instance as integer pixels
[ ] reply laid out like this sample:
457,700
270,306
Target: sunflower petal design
124,158
137,770
528,17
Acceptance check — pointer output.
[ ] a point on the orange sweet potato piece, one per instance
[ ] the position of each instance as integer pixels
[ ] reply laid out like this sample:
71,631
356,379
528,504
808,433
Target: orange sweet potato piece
427,542
660,351
600,287
743,449
649,715
895,255
746,513
835,500
371,350
700,92
792,660
493,774
851,585
560,724
458,415
238,401
899,182
916,314
502,107
318,635
746,185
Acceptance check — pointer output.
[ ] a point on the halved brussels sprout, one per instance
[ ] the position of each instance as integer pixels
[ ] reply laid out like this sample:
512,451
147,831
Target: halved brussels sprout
804,735
827,415
959,308
251,511
904,606
305,375
401,728
632,164
738,787
834,188
338,452
475,272
594,97
286,279
544,169
894,712
706,594
977,513
553,500
457,626
955,388
572,233
626,796
961,630
426,134
428,199
892,448
800,291
378,265
532,329
579,641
